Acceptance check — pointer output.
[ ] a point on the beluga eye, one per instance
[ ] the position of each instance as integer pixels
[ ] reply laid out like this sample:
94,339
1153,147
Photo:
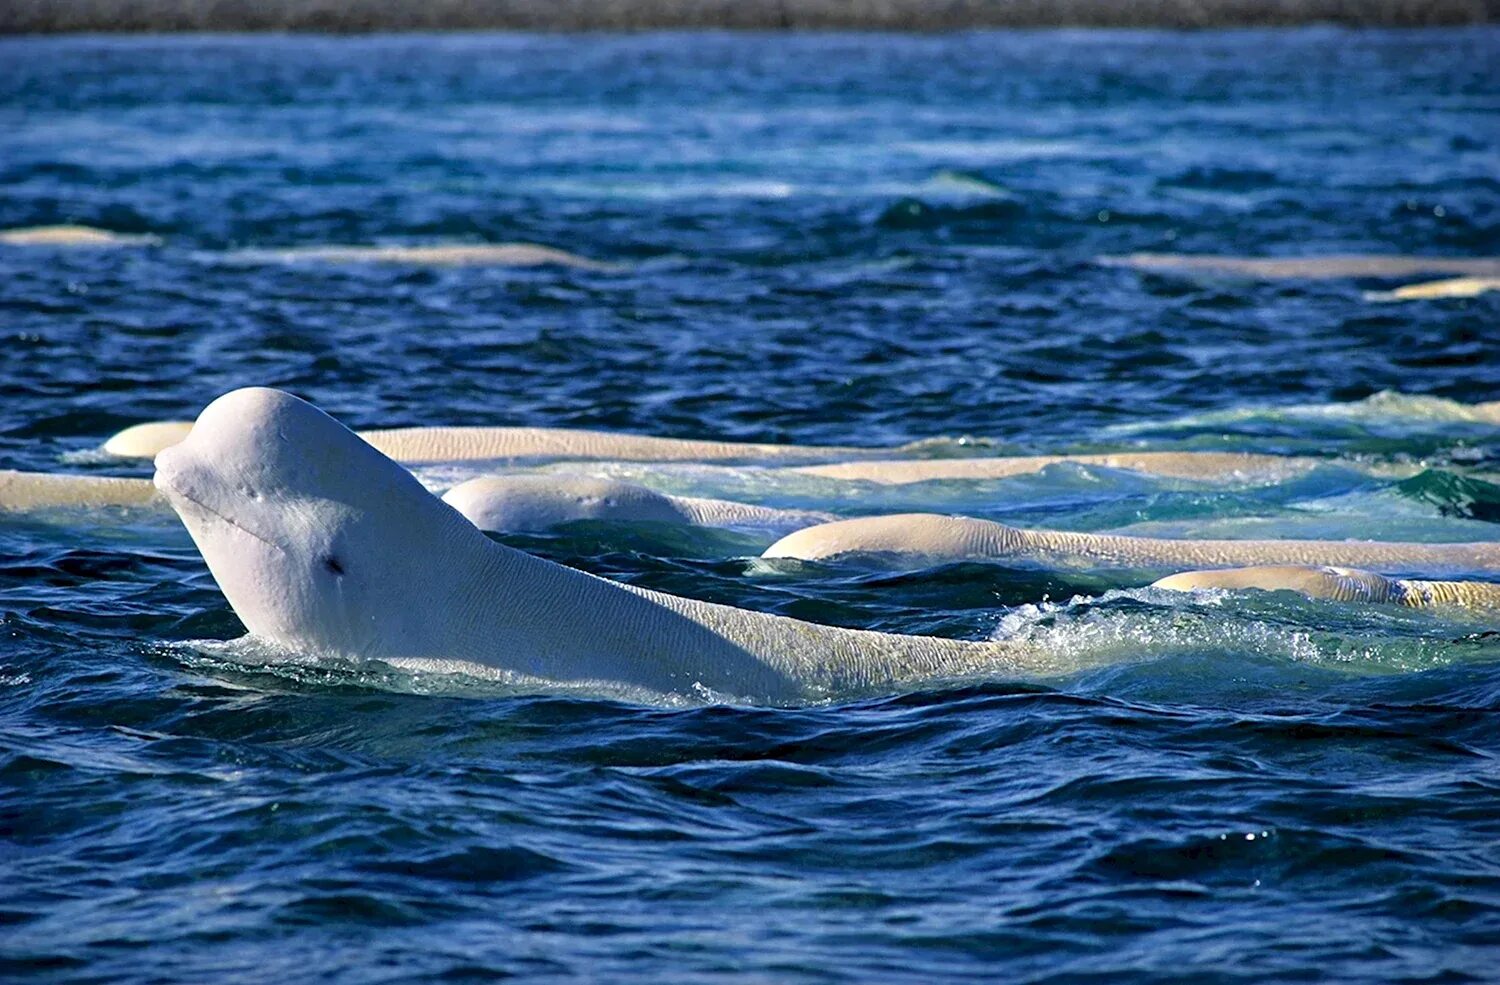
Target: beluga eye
331,563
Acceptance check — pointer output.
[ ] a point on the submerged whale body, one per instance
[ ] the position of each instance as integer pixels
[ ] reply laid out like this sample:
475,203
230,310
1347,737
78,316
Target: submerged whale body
1431,290
432,255
71,235
517,503
502,504
930,537
324,546
431,445
1334,267
1340,585
20,491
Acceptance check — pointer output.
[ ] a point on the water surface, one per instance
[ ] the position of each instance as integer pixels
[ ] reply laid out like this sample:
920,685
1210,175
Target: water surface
812,239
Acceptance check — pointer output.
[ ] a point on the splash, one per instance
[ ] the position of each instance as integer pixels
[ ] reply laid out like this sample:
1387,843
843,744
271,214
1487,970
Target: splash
258,660
1233,627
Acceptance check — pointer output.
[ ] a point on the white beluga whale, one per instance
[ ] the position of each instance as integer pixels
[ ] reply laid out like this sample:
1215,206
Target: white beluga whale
431,255
145,440
542,502
435,445
1330,267
1340,585
72,235
1434,290
20,491
929,537
501,504
324,546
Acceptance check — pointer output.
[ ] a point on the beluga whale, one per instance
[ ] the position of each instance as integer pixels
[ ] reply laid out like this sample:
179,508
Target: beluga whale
72,235
510,503
23,491
928,537
1340,585
434,445
325,547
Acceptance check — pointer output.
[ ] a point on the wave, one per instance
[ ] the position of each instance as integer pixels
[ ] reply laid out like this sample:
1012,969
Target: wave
914,213
255,660
1453,494
1380,412
1208,633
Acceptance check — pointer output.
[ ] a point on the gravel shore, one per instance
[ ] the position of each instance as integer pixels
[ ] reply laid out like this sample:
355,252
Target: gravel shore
55,16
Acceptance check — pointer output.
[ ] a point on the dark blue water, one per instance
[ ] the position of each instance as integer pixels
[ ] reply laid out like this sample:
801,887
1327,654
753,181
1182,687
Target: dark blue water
858,240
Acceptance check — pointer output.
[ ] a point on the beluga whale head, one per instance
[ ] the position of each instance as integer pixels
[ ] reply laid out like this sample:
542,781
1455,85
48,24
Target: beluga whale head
319,542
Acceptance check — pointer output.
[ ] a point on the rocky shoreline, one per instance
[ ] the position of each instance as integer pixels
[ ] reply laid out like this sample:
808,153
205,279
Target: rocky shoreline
354,16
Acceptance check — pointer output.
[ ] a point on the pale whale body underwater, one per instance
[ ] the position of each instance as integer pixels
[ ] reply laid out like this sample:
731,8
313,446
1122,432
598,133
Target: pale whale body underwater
928,538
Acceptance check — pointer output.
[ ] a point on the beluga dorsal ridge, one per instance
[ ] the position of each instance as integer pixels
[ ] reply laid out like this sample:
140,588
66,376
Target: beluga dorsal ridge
324,546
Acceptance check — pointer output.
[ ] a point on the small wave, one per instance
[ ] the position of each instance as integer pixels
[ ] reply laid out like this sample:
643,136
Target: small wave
1384,408
1224,179
479,864
1454,494
87,456
251,656
914,213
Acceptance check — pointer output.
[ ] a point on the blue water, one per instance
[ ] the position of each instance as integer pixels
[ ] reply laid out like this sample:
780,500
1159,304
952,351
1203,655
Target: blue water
857,240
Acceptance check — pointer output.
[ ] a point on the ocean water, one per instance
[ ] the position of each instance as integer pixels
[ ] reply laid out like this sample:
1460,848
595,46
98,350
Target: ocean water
814,239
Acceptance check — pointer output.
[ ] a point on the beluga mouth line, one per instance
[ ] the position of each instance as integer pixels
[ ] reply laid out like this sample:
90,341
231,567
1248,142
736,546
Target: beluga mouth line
165,485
